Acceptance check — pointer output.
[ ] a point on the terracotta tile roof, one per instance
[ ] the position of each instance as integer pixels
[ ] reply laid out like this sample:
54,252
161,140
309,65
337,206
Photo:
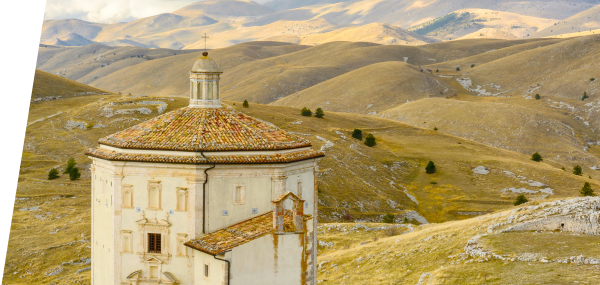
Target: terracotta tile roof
230,159
225,239
205,129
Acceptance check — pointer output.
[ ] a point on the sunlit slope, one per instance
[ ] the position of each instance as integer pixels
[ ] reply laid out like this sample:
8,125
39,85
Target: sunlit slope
500,125
374,33
481,23
225,8
46,84
169,76
581,22
87,63
370,89
562,71
56,28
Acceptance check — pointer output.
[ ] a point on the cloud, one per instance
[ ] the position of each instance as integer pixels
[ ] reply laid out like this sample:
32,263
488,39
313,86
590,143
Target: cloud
112,11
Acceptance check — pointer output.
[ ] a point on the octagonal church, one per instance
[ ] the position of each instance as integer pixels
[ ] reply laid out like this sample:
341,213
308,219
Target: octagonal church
204,195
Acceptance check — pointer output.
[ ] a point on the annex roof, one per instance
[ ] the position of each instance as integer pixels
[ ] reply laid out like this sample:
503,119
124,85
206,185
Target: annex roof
205,129
225,239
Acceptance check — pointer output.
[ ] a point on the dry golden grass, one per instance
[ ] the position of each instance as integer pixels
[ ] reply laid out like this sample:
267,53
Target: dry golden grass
46,84
581,22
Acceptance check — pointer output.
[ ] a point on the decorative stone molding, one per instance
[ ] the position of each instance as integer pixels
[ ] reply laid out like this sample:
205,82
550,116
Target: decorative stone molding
279,185
127,196
154,184
239,194
181,239
126,241
181,205
279,212
155,226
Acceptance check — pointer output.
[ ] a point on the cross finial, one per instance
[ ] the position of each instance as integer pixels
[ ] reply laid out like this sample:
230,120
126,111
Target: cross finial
205,37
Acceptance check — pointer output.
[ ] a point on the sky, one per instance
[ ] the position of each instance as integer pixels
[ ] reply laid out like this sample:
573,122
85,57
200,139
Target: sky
112,11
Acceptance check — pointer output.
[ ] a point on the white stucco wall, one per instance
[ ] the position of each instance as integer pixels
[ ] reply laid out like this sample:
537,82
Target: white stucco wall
102,227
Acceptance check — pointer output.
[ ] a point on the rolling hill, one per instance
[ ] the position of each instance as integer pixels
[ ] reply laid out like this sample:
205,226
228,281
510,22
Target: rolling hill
585,21
70,39
50,85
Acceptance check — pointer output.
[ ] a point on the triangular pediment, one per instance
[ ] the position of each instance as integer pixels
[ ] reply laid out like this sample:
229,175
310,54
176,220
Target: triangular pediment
287,195
153,259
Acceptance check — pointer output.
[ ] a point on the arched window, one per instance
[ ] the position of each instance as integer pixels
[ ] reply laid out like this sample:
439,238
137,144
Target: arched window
127,199
180,247
126,244
154,198
181,202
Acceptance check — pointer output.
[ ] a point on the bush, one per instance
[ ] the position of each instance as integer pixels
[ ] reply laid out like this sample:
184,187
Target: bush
577,170
74,174
472,65
357,134
245,104
433,182
391,231
587,190
421,70
53,174
435,128
89,126
520,200
70,164
537,97
406,221
563,168
592,79
430,168
458,69
437,70
389,219
319,113
306,112
370,140
536,157
585,96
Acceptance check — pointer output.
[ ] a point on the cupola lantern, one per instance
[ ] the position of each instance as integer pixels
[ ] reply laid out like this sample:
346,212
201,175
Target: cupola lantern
205,83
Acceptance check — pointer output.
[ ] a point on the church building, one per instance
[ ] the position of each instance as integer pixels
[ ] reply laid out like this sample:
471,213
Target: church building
204,195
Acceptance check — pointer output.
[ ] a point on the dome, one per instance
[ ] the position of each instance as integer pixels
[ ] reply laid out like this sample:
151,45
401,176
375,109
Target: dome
205,64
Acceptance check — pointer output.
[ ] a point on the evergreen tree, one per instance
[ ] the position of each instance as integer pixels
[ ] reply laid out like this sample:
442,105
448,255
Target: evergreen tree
405,220
306,112
370,140
389,219
458,69
537,97
577,170
74,174
585,96
319,113
472,65
430,168
70,164
435,128
437,70
521,200
587,190
53,174
357,134
563,168
536,157
245,104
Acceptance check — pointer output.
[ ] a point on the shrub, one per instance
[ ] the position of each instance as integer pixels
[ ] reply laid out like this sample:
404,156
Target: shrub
592,79
389,218
437,70
319,113
577,170
70,164
245,104
74,174
370,140
430,168
537,97
585,96
472,65
53,174
458,69
521,200
563,168
536,157
306,112
406,221
433,182
421,70
587,190
89,126
435,128
391,231
357,134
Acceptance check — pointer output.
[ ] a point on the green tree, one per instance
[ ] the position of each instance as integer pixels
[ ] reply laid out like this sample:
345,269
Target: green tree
53,174
435,128
306,112
537,97
405,220
457,68
319,113
587,190
472,65
585,96
437,70
521,200
357,134
563,168
370,140
592,79
389,219
245,104
430,168
74,174
70,164
577,170
536,157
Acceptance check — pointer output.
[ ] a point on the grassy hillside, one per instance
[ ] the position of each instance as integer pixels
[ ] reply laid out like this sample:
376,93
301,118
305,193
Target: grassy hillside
383,86
581,22
46,84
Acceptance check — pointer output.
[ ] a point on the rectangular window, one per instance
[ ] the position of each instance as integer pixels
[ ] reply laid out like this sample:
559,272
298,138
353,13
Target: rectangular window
154,243
192,89
209,93
205,270
200,87
238,194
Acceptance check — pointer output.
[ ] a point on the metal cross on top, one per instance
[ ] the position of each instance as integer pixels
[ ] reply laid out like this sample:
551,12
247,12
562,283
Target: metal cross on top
205,37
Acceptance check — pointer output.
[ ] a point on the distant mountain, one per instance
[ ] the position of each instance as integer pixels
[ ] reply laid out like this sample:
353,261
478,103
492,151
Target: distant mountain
281,5
70,39
581,22
56,28
225,8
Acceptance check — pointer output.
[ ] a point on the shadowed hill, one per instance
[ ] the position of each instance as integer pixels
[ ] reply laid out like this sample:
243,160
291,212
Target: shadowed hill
57,28
581,22
370,89
225,8
46,84
70,39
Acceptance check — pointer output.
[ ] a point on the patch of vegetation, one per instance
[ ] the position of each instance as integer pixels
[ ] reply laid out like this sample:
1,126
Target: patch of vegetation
430,26
536,157
472,65
457,68
537,97
357,134
389,218
319,113
430,168
585,96
306,112
53,174
587,190
435,128
577,170
370,140
245,104
70,165
74,174
521,200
